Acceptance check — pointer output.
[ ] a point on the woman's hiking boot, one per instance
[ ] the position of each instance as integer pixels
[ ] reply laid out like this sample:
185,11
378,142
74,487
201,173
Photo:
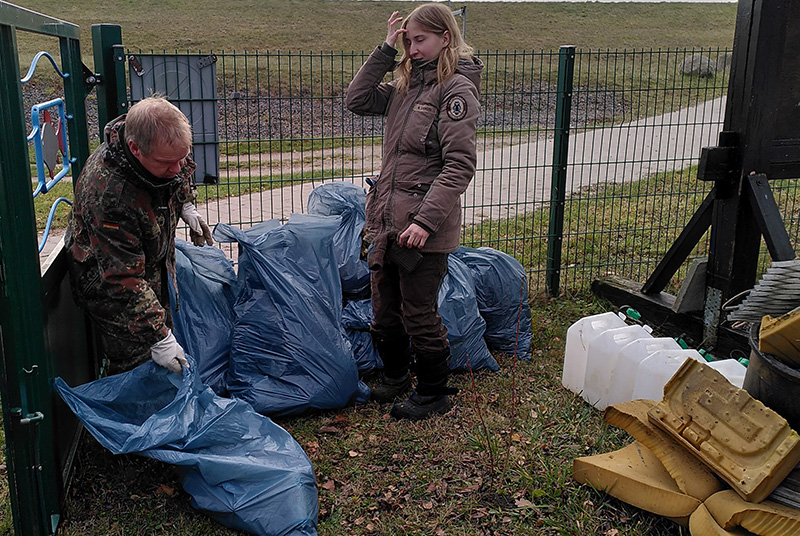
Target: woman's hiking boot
419,407
390,389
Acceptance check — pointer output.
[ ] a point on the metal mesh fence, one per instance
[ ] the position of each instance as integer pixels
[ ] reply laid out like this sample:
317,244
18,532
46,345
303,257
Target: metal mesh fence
636,129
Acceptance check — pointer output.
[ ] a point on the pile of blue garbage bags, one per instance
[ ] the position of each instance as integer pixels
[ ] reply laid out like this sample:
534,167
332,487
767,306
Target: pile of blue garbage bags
285,333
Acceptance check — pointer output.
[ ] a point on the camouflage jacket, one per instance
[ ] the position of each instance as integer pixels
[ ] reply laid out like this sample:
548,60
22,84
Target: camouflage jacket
121,240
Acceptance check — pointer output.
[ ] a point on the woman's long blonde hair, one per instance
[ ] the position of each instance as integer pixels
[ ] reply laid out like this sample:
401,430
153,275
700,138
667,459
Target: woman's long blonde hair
435,18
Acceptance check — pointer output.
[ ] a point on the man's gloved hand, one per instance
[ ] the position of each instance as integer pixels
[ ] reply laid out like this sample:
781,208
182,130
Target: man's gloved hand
199,231
169,354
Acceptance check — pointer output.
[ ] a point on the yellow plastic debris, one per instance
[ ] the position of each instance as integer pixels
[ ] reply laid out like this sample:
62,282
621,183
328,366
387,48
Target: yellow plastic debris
744,442
781,338
634,475
689,473
765,519
702,523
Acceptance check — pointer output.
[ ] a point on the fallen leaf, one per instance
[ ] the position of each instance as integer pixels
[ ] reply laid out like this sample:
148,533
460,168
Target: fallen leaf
471,489
353,454
479,513
515,437
440,532
427,505
163,489
328,430
330,485
431,487
340,419
611,532
523,503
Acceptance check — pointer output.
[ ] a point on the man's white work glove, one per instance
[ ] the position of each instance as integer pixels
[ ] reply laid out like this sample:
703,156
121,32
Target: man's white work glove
199,231
169,354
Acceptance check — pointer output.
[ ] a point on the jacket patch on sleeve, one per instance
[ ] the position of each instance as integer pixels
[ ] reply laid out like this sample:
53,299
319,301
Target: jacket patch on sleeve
111,225
457,108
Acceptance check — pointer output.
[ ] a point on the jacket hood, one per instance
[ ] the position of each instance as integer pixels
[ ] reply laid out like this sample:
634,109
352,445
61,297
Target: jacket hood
472,69
120,156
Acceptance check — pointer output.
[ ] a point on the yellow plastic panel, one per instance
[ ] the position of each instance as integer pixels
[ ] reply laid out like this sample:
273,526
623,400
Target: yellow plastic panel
747,444
689,473
781,338
765,519
634,475
702,523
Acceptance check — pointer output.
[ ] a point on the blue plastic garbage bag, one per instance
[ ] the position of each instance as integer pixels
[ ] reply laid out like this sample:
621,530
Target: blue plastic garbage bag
356,318
203,322
458,307
289,352
348,201
501,285
240,468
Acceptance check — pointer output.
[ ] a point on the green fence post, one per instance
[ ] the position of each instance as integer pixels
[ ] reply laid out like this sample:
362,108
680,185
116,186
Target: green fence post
76,86
24,381
109,63
555,238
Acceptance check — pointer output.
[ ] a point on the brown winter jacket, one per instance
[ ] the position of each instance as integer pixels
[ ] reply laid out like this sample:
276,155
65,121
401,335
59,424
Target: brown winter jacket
428,149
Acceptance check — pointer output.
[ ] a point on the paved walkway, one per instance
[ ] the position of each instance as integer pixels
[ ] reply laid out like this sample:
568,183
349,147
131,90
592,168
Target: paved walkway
516,178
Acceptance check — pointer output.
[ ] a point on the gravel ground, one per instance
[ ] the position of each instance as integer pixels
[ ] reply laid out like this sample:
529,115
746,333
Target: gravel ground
260,116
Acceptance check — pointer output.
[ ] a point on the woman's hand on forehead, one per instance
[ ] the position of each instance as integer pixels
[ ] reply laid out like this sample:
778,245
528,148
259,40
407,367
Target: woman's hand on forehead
392,32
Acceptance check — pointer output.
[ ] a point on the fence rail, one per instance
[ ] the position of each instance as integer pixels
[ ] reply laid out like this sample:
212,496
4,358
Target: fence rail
627,150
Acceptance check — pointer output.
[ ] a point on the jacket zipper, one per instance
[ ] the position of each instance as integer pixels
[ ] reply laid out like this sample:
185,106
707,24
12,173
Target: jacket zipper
387,210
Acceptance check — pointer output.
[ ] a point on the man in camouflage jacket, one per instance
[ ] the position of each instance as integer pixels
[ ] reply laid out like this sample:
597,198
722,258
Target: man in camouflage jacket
121,233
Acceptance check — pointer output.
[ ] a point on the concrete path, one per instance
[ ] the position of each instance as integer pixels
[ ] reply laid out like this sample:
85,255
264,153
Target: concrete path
516,178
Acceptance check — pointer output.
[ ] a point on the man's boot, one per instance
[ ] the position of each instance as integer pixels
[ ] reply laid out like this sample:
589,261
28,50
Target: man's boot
395,378
432,394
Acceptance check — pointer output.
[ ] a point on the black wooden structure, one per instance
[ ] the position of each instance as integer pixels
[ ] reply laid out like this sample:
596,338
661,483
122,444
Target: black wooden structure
760,141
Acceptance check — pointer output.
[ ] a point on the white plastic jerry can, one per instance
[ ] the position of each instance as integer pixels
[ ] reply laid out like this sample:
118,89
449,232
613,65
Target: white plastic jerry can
656,370
602,358
630,356
732,370
579,335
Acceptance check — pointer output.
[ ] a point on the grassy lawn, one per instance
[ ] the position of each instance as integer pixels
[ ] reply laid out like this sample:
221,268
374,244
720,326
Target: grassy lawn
500,463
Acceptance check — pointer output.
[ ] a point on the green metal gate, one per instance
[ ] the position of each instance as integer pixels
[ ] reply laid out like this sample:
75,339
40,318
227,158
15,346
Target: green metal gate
43,335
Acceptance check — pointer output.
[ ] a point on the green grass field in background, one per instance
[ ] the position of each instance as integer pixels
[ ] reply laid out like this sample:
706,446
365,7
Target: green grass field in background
327,25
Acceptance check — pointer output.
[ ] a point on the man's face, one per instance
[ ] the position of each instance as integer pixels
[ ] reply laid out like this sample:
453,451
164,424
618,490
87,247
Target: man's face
164,160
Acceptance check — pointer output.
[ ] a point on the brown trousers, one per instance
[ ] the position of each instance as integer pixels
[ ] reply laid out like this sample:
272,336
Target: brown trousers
407,302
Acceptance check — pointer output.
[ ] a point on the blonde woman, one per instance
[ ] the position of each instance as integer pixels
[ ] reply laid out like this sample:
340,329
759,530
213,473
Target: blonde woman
414,209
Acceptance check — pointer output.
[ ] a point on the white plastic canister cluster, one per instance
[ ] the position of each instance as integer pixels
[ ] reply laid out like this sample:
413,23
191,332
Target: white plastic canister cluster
579,336
656,369
602,360
609,362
